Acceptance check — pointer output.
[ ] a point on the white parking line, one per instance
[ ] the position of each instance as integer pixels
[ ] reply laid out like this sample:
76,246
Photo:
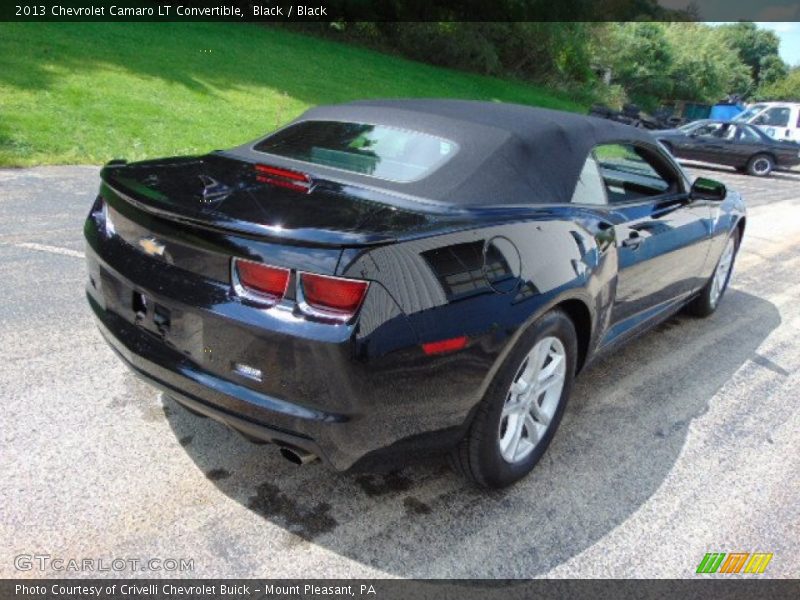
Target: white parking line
51,249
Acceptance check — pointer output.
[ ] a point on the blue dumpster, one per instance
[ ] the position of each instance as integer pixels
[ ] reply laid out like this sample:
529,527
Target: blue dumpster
725,112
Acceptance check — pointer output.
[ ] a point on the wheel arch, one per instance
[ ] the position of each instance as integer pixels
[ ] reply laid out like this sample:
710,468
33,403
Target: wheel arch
577,309
740,225
768,153
581,317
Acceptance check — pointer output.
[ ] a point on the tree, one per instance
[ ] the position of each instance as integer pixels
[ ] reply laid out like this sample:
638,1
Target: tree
787,88
772,70
536,51
640,57
659,61
757,48
704,67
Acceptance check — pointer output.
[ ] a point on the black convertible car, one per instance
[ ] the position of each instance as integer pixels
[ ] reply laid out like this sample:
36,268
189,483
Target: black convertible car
738,145
384,279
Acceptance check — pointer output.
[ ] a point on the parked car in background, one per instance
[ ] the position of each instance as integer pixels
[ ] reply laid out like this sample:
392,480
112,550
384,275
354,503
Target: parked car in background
779,120
384,279
730,143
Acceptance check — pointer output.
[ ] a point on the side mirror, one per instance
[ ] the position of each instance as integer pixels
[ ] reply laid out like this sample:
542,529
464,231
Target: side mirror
708,189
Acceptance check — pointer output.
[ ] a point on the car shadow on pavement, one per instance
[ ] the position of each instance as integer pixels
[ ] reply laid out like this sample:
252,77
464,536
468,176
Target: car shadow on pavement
623,432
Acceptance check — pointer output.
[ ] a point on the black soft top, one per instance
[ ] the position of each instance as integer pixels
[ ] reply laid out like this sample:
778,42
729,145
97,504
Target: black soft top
508,154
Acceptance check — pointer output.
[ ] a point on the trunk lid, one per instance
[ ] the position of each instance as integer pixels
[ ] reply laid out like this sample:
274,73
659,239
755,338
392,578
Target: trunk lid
222,193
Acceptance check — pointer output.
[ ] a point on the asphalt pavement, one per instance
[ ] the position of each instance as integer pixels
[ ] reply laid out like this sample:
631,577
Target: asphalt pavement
686,441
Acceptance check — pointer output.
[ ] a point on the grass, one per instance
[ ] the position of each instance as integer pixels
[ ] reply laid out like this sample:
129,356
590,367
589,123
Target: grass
74,93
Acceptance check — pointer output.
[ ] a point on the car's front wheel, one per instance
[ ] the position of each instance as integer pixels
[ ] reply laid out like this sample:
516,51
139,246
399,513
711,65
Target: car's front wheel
708,300
523,406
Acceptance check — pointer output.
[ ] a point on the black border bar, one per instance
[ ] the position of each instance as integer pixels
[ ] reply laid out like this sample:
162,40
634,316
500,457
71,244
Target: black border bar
701,588
399,10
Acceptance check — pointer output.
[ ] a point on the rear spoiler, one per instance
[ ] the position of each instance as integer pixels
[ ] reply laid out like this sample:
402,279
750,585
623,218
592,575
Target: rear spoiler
154,203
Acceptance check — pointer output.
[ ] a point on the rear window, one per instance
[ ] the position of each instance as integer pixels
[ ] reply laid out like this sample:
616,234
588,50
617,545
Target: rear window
375,150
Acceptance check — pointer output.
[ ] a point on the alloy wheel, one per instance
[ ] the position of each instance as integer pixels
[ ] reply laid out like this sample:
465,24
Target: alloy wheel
532,399
722,273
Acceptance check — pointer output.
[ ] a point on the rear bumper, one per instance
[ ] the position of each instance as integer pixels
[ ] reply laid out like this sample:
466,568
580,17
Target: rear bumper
353,395
198,391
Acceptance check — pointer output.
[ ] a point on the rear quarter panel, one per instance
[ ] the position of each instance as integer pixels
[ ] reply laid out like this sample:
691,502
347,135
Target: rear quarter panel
489,283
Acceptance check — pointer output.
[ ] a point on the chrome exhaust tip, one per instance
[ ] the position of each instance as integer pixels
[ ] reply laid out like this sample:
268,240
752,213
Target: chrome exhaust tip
297,456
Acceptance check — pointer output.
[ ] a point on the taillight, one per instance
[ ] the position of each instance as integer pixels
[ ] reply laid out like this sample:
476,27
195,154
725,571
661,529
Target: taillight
260,282
331,297
293,180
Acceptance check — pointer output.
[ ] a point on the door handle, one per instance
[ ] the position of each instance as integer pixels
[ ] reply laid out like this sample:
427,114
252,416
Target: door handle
633,240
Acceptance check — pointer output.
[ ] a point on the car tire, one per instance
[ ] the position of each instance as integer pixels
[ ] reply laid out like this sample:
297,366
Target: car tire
708,300
524,403
760,165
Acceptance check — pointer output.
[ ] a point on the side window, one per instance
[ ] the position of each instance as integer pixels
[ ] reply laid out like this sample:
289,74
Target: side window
729,132
776,117
709,130
632,173
590,188
746,134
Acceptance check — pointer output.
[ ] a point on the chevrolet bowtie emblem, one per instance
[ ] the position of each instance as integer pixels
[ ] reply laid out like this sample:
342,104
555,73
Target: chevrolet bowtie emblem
151,247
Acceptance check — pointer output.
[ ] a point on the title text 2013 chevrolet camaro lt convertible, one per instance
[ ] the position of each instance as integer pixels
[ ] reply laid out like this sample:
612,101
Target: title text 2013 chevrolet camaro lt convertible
384,279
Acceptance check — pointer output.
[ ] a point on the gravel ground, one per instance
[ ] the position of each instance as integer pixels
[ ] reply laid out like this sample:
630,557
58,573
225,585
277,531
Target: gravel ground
683,443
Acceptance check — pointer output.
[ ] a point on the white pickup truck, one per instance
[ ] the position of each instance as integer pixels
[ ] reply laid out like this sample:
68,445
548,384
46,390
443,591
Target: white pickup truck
779,120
